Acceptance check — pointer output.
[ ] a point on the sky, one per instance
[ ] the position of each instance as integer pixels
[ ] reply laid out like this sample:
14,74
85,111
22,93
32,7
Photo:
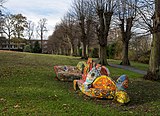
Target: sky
34,10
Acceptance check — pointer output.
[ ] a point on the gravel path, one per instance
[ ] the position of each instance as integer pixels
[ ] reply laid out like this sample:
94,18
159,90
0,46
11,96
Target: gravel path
129,68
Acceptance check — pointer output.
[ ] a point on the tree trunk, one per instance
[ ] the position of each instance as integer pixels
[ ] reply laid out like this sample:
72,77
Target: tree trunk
83,37
84,48
9,43
30,41
103,55
153,72
42,41
72,50
77,53
78,48
125,60
102,38
126,36
84,55
87,50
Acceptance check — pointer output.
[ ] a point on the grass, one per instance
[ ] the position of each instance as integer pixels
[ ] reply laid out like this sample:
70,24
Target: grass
137,65
28,87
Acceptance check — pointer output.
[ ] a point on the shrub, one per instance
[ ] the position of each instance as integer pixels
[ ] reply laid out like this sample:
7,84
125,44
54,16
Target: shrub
132,55
80,52
36,48
118,50
111,50
27,48
143,59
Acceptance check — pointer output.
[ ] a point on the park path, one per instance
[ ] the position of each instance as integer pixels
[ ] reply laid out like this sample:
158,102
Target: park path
129,68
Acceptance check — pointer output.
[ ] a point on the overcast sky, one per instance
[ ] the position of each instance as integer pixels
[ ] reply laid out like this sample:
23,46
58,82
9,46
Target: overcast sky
34,10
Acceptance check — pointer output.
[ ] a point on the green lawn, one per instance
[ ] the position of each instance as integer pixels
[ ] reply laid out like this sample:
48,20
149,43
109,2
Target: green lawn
137,65
28,87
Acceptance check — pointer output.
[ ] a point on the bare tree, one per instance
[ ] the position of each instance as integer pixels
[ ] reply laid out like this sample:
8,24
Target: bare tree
51,44
69,27
30,30
154,63
41,29
145,11
1,15
104,10
126,10
142,29
58,41
8,27
82,10
1,23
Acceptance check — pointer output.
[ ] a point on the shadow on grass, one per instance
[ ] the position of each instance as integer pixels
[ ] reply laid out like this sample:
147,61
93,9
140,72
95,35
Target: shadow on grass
144,96
140,91
143,91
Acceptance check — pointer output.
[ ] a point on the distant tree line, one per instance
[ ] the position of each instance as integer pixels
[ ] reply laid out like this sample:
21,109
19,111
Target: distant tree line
16,28
88,21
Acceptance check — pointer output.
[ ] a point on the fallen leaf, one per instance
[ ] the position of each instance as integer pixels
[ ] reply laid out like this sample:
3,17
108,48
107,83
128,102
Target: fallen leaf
17,106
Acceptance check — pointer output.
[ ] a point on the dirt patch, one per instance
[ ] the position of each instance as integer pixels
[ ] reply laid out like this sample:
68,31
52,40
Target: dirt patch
1,51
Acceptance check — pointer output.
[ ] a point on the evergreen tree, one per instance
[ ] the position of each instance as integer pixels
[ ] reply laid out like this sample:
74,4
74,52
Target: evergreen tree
36,48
